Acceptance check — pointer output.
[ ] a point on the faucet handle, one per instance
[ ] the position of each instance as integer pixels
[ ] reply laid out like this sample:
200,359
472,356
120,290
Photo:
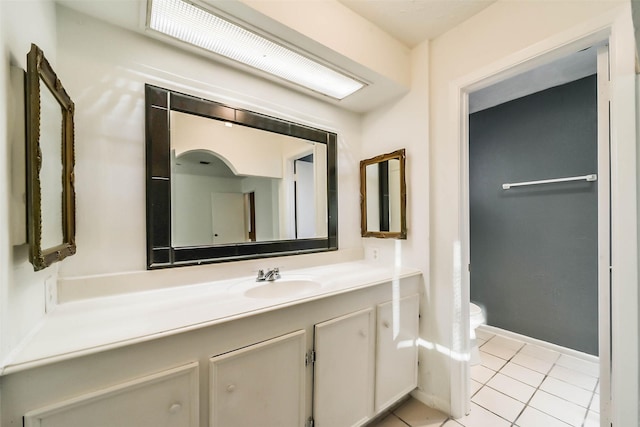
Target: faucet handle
276,272
260,277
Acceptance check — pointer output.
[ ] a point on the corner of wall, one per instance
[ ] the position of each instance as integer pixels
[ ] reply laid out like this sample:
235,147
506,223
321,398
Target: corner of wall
22,296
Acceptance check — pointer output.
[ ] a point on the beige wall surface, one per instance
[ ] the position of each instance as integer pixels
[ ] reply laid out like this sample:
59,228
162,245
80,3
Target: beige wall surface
22,296
405,124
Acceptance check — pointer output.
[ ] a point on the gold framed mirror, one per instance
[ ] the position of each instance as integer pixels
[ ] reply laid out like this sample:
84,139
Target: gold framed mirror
50,164
383,196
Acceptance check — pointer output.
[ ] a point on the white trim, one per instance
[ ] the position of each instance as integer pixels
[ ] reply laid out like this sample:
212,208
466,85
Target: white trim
460,370
617,27
624,217
431,400
534,341
604,235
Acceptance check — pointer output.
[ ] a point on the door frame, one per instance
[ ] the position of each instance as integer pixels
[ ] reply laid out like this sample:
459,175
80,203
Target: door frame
616,29
290,191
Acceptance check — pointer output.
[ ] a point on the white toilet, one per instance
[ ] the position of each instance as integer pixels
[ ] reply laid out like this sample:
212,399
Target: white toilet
476,318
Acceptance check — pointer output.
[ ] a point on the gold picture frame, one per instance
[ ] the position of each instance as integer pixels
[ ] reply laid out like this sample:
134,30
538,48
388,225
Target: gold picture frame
383,212
50,164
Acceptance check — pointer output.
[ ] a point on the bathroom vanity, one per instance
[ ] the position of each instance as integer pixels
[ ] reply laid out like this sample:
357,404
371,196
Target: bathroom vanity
332,346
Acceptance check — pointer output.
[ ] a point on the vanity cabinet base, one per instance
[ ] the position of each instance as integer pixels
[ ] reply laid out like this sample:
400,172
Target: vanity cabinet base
260,385
344,369
257,370
168,398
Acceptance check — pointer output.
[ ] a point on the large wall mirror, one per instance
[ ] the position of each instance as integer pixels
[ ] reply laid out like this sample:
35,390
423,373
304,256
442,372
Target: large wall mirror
383,196
227,184
50,164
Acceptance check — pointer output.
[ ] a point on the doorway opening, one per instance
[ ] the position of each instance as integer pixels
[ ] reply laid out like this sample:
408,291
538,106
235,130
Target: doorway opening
487,226
304,197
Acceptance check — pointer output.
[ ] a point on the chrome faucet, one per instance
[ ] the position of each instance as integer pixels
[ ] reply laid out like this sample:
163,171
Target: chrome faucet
270,275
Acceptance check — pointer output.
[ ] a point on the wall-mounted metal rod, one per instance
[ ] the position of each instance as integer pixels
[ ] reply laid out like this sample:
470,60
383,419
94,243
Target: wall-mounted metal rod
591,177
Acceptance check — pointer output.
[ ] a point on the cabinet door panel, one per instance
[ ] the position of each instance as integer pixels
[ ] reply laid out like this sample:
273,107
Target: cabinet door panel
397,352
344,369
260,385
168,398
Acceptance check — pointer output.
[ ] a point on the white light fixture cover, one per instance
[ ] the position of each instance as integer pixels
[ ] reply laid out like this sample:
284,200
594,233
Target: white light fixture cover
191,24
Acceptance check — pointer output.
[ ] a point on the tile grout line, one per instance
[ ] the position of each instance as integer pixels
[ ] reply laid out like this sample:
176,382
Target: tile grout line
485,384
526,405
401,420
555,363
546,375
574,385
593,395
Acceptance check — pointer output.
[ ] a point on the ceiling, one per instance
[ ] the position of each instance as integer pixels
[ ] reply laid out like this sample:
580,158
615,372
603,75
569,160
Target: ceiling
413,21
408,21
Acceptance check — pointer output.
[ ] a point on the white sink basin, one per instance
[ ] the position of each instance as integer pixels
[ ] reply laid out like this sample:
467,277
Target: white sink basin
284,287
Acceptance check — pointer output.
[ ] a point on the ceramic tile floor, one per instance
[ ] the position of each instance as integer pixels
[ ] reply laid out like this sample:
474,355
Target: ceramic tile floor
517,385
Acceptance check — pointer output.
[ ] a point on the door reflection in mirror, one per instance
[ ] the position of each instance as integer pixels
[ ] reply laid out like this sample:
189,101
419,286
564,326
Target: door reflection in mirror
234,184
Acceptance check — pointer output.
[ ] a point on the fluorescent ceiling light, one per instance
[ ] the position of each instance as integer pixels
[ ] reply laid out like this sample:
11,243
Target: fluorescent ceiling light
194,25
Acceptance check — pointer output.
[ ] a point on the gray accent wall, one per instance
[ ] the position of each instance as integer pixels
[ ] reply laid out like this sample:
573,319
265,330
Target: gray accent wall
534,248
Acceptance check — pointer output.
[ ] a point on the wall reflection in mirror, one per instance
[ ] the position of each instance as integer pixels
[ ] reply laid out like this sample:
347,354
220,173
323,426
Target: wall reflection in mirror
383,196
51,171
231,183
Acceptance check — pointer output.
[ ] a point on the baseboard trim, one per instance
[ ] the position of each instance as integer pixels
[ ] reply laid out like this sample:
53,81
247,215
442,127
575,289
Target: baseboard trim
540,343
432,401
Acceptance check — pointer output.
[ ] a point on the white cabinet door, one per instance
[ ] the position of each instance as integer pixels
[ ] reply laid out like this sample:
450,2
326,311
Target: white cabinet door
260,385
397,352
344,369
168,398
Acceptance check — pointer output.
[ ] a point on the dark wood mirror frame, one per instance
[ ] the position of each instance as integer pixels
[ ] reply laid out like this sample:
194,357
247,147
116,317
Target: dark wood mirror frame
402,233
160,252
39,69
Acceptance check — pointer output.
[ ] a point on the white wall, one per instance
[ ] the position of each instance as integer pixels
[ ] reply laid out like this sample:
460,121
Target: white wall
246,151
191,206
267,209
503,29
405,124
106,69
21,290
638,187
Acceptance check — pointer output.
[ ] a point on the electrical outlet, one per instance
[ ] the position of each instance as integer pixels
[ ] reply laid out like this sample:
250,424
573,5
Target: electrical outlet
50,294
372,253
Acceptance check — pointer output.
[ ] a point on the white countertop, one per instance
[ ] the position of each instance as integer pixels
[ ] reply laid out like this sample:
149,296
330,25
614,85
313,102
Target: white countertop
89,326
